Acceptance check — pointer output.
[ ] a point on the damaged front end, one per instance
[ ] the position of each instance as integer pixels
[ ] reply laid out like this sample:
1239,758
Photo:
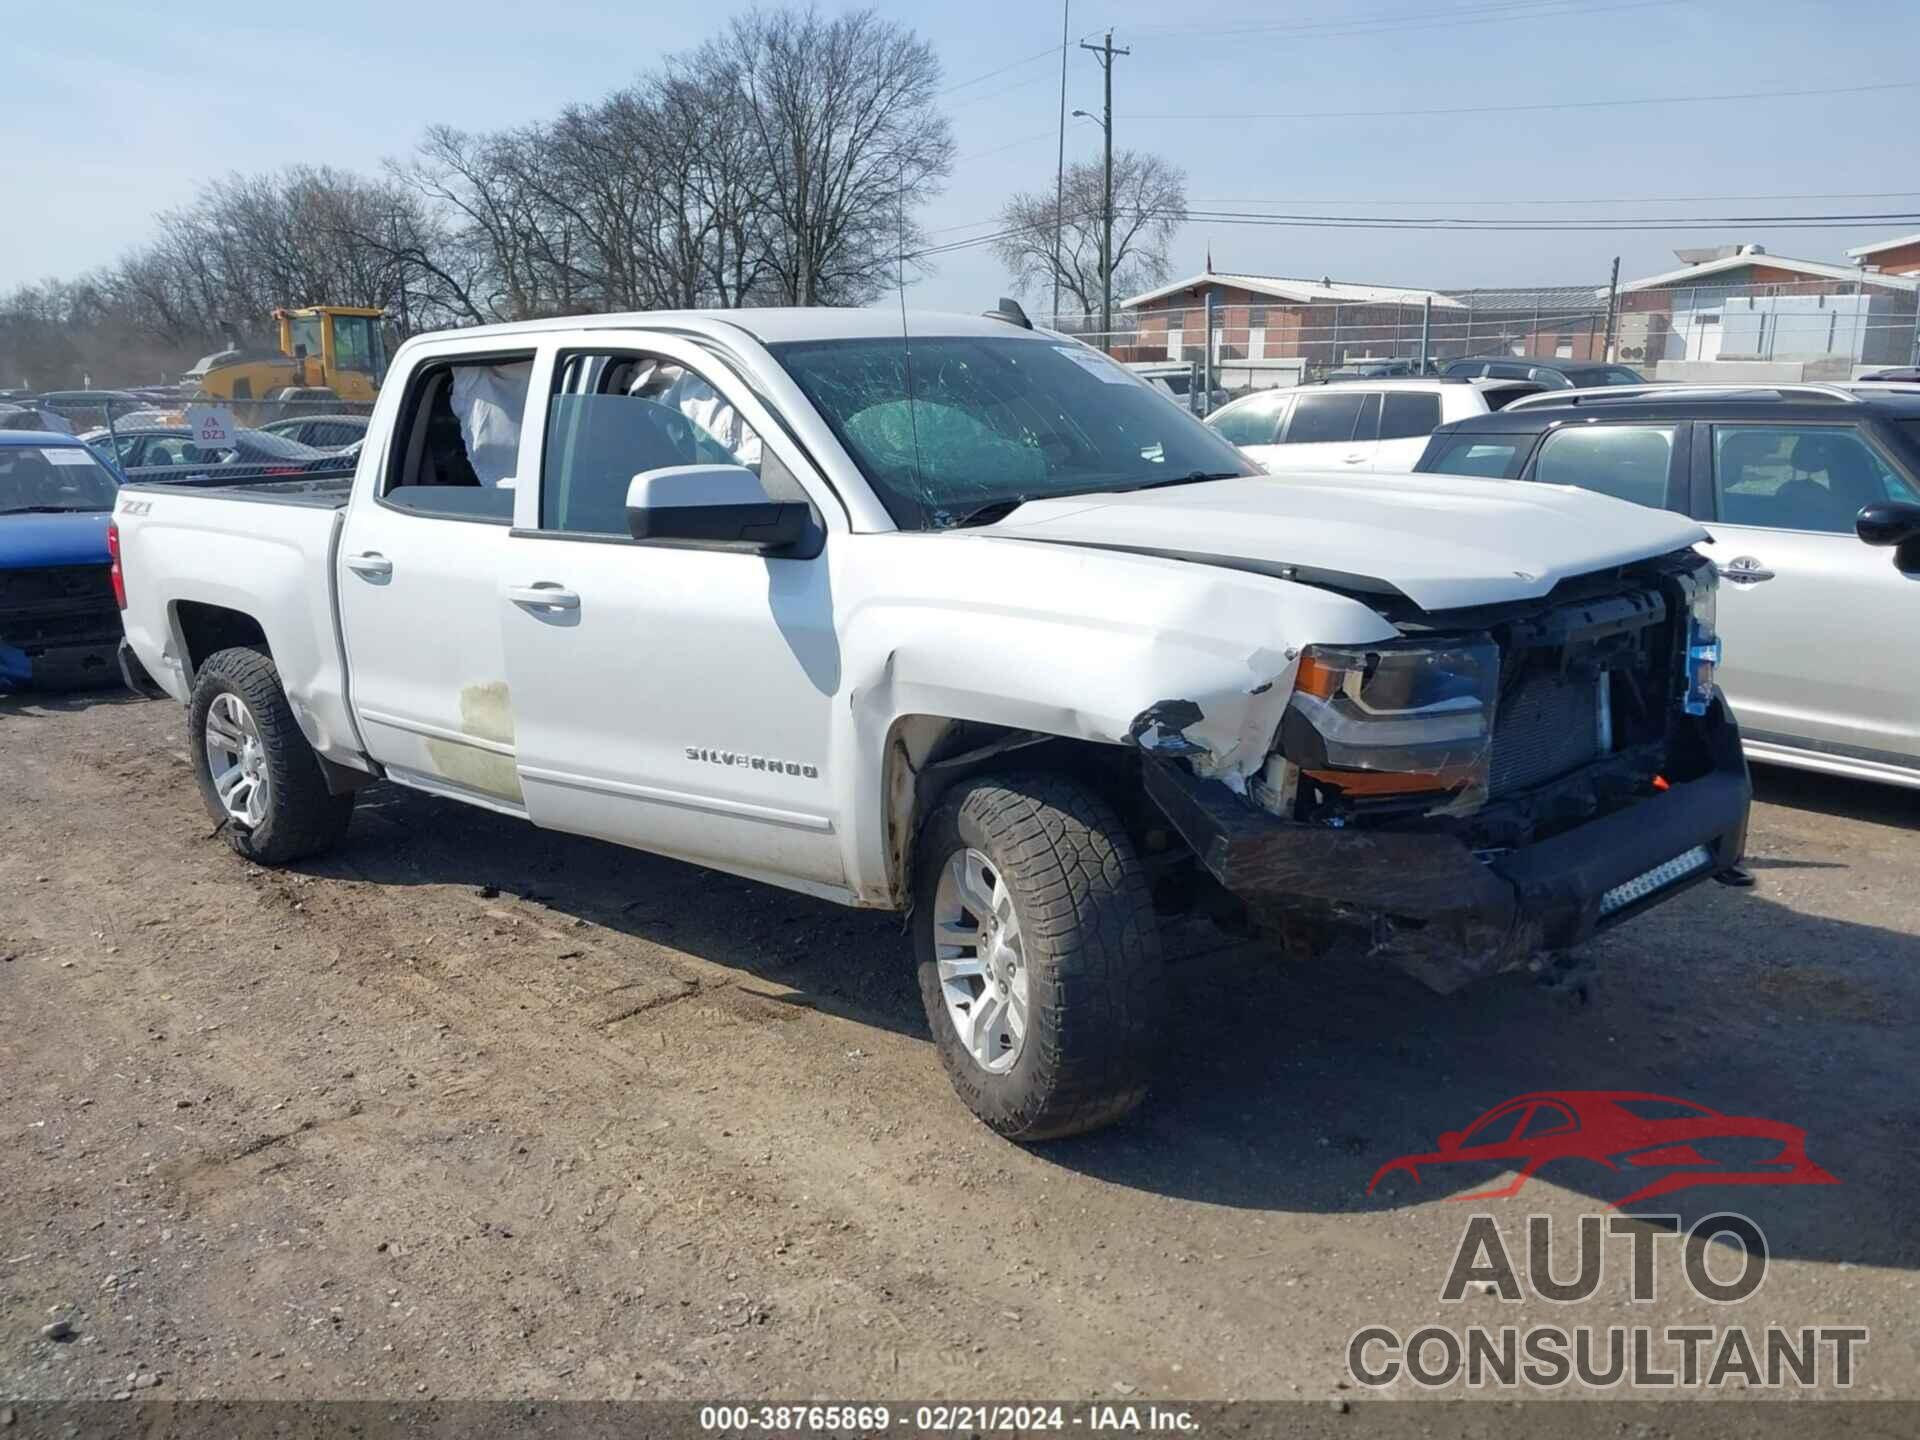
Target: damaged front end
1491,788
59,628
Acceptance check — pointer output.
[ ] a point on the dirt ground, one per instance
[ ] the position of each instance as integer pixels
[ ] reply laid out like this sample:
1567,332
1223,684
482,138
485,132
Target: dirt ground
468,1110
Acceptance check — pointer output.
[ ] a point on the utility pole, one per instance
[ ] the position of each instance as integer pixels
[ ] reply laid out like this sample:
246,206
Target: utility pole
1060,164
1106,52
1613,302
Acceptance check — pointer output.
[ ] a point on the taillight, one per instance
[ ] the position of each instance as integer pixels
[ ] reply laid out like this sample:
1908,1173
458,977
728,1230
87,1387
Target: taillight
118,575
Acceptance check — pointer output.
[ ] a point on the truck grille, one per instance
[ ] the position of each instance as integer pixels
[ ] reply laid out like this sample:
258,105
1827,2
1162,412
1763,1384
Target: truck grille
1542,729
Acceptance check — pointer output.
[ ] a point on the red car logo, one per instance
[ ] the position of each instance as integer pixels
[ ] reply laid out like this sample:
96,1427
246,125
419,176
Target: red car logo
1622,1130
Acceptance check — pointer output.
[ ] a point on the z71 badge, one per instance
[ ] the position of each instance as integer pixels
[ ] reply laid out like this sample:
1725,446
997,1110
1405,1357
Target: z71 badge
753,762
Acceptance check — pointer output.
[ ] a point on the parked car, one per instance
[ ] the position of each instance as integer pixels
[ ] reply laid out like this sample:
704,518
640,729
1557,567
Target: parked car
1176,382
1554,374
26,415
1902,376
1784,478
1017,648
322,432
1376,369
59,625
1367,425
143,450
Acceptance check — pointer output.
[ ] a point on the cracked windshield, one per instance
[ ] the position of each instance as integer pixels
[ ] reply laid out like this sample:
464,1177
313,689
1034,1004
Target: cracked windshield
956,425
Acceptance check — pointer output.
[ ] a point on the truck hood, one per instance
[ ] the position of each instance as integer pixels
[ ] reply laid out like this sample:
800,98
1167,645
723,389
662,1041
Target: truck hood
30,542
1443,542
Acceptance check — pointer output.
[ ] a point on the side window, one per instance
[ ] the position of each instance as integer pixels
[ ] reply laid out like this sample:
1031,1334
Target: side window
1502,370
1408,415
1489,459
171,450
1628,462
1253,421
461,425
1367,427
1319,419
1799,477
613,417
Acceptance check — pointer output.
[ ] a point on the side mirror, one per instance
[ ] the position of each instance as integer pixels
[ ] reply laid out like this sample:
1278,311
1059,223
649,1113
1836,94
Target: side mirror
1889,522
723,507
1449,1141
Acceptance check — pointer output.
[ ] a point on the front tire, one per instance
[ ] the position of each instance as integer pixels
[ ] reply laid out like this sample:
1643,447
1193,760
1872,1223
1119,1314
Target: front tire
1039,957
257,774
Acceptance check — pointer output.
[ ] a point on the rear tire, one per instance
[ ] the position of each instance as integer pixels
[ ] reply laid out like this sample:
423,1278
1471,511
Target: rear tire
268,791
1039,957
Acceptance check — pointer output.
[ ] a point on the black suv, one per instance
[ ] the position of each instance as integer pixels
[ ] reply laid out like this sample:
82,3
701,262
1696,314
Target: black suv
1554,374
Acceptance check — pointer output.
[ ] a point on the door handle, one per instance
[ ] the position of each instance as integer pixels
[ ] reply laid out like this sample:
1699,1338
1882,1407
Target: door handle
544,595
1354,459
372,564
1744,570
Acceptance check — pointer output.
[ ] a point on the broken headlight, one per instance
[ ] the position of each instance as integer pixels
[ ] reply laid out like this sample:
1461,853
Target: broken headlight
1396,718
1703,643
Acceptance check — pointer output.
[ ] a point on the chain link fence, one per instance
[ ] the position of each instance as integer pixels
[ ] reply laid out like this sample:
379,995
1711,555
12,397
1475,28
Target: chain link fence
1812,330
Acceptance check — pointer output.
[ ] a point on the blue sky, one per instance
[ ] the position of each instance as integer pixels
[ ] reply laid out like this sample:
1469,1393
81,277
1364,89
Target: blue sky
113,112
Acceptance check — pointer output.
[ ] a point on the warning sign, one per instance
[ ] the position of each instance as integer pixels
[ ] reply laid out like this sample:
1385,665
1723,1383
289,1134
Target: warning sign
212,426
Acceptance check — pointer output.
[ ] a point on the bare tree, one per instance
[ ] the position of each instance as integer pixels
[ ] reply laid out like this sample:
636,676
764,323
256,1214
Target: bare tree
1149,207
781,163
848,143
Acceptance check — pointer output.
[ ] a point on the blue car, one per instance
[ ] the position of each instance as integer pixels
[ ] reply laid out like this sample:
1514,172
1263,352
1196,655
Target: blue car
59,621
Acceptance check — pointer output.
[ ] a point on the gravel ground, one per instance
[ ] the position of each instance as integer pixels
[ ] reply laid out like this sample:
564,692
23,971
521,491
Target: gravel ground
468,1110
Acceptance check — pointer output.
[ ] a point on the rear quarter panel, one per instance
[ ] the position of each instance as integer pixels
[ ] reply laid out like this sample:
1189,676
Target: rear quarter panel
268,561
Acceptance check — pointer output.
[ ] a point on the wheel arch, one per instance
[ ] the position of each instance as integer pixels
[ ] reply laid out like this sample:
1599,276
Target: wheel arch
204,629
927,755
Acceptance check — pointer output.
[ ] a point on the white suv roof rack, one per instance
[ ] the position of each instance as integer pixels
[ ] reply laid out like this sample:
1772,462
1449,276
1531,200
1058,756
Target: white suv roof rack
1633,392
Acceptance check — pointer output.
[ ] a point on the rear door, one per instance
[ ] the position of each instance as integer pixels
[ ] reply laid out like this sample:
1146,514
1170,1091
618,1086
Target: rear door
418,576
1408,419
1643,462
1328,429
1821,632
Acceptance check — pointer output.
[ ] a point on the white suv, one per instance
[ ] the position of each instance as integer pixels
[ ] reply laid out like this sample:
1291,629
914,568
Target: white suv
1367,424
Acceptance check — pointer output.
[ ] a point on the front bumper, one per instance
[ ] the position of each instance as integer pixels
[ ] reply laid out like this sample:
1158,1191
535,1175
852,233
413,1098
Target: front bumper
1443,913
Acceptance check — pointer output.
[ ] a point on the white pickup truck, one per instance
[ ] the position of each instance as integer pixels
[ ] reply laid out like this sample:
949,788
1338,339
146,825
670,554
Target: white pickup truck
963,620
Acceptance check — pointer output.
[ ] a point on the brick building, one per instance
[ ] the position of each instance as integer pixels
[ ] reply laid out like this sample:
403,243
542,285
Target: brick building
1891,257
1738,302
1271,317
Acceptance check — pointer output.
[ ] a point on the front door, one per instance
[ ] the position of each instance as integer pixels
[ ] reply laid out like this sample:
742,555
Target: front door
1821,633
673,698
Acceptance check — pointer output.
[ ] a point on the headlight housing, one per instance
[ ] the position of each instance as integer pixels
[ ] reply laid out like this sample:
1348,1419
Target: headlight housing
1703,642
1397,718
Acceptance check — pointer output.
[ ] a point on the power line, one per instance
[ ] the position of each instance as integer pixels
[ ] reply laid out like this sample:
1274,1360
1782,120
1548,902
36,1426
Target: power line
1401,21
1455,225
1616,200
1522,109
1010,65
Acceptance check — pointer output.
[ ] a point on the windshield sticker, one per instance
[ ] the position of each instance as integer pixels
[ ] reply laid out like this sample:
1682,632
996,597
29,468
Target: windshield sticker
1095,365
66,455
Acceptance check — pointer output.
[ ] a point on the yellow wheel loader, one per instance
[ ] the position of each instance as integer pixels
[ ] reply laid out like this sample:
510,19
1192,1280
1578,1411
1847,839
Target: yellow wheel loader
327,352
